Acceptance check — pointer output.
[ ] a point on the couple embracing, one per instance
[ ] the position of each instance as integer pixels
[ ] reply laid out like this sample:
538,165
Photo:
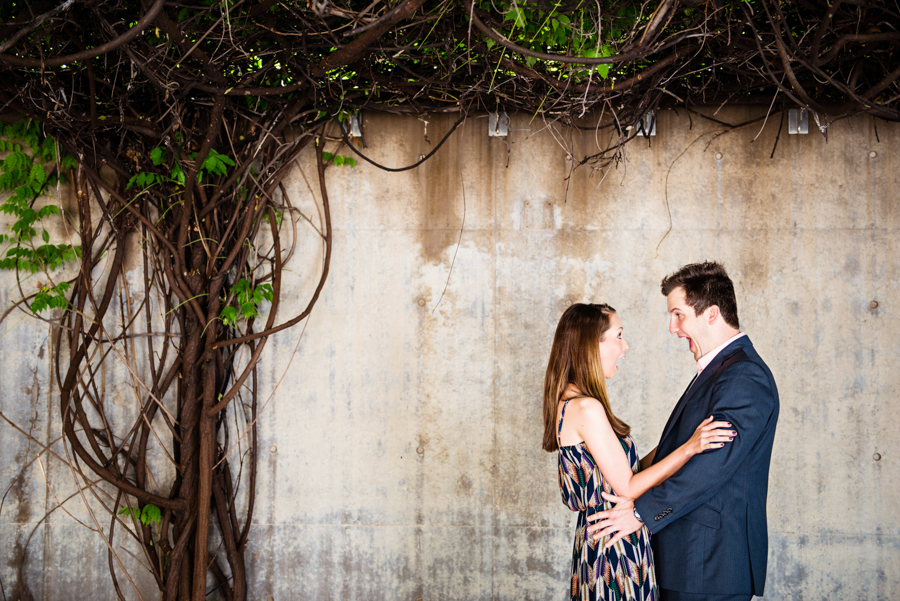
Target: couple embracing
688,520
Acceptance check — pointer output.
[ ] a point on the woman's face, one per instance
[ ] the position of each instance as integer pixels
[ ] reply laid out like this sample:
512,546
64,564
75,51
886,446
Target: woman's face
612,346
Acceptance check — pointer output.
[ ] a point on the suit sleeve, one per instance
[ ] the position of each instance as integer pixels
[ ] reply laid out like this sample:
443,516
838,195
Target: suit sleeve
744,396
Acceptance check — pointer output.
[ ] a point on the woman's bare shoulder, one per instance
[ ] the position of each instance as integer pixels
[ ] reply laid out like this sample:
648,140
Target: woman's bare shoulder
588,407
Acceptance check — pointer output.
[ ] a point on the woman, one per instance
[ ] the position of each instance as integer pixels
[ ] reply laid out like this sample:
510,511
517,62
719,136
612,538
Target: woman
597,453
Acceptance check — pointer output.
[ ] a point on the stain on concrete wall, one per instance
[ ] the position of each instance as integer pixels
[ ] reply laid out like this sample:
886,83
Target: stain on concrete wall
403,431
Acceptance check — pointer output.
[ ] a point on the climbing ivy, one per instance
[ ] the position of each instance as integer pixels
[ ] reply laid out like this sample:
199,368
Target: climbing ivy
246,302
151,514
31,169
339,160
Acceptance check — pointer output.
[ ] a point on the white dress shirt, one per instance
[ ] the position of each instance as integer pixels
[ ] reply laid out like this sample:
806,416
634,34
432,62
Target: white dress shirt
704,361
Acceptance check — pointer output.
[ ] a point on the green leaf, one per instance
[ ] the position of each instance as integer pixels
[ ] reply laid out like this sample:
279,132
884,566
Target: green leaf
38,173
27,216
40,303
517,15
48,150
24,192
158,156
605,50
249,309
132,512
16,160
178,173
47,211
228,315
151,514
45,235
240,287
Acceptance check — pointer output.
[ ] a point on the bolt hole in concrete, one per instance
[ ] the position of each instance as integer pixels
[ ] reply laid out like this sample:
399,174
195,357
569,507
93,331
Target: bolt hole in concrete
877,456
273,448
874,304
719,156
421,302
873,154
420,450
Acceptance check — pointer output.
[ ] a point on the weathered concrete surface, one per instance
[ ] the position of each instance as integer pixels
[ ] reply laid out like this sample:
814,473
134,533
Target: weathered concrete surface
404,435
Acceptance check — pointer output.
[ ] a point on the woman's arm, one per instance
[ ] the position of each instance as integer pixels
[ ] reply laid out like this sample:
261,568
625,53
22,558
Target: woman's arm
593,426
647,459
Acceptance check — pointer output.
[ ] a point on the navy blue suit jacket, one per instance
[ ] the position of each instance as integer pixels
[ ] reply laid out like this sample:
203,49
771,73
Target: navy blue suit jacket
708,521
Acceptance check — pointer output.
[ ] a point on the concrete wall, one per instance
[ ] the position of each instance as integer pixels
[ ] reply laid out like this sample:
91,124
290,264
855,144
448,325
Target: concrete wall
403,441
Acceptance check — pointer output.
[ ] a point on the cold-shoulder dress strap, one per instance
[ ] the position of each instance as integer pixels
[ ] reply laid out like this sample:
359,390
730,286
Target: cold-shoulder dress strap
562,415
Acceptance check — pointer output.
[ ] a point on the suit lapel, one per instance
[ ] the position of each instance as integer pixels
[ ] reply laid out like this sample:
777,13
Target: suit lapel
676,413
698,382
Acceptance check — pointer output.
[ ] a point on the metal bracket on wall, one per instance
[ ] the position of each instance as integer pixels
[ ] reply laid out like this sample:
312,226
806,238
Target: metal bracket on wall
498,124
798,121
355,131
647,124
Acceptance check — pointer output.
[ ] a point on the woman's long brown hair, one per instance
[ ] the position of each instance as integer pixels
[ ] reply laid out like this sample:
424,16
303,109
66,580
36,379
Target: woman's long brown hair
575,359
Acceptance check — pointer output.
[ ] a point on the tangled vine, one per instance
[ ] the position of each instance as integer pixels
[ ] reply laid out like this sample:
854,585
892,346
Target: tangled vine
175,123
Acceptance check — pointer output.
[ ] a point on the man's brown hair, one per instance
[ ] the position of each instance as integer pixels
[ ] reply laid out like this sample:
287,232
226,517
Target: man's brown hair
705,285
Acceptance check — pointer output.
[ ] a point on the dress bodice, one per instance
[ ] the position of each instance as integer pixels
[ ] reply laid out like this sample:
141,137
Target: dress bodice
580,480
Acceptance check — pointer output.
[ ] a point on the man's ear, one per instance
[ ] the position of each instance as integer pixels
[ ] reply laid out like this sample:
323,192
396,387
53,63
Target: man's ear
712,314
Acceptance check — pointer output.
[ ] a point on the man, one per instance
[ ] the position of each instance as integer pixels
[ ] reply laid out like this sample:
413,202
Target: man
708,521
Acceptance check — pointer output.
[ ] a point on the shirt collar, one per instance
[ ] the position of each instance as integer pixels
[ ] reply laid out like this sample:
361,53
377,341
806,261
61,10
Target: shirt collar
704,361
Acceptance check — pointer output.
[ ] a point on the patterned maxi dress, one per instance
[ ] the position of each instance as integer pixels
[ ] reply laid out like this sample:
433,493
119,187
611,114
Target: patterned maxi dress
624,571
